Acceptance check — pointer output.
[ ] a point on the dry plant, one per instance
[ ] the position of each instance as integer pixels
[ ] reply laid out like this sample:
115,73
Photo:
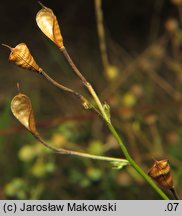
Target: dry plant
22,108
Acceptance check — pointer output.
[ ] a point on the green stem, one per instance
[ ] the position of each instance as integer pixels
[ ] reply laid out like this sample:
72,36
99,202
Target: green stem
110,126
134,164
97,101
123,148
80,154
125,151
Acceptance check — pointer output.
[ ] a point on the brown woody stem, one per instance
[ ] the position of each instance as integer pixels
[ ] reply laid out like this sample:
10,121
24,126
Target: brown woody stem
62,87
75,69
86,83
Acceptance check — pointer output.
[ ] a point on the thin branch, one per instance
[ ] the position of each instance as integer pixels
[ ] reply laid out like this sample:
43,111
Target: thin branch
73,66
106,118
101,35
86,104
176,196
5,45
62,87
80,154
86,83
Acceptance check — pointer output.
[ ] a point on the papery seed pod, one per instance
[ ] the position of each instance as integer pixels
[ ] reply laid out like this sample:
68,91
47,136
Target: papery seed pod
160,172
22,57
48,24
21,108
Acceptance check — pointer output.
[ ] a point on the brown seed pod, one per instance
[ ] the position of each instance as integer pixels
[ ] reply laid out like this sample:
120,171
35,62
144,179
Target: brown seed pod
160,172
22,57
21,108
48,24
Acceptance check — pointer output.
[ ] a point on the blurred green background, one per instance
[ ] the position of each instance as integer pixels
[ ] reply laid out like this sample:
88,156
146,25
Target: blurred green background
142,84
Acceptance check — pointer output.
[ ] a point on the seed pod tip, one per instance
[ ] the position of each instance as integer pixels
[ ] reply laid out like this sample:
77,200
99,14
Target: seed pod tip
5,45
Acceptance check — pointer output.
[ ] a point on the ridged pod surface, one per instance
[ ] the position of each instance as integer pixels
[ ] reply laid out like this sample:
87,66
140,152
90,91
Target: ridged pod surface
160,172
22,57
21,108
48,24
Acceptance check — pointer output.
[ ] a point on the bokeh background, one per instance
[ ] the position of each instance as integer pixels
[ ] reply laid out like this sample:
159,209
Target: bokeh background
142,83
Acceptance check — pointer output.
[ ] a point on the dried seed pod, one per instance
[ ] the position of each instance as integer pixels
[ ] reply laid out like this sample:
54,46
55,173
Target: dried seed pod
21,108
22,57
160,172
48,24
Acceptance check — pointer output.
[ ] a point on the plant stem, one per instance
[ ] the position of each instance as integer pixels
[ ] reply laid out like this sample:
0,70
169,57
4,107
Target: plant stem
110,126
134,164
80,154
62,87
101,35
71,63
86,104
85,82
123,148
176,196
97,101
